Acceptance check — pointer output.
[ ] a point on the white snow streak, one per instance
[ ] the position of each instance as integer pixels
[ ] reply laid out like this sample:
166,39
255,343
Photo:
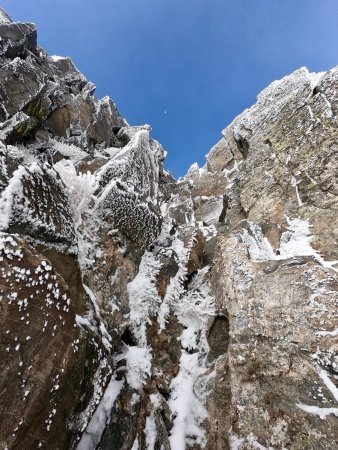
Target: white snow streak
92,435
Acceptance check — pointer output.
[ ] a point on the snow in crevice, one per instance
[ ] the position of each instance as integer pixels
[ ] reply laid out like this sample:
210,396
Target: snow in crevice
92,434
143,303
99,380
94,314
328,383
138,364
296,241
187,404
188,388
193,307
144,300
150,432
175,288
294,183
319,411
315,410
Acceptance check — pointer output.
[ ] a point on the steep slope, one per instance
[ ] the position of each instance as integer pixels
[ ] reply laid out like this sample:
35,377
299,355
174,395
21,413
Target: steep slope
141,312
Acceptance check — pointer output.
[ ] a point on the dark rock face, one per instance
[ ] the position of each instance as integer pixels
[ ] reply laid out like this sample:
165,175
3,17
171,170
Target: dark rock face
140,312
42,358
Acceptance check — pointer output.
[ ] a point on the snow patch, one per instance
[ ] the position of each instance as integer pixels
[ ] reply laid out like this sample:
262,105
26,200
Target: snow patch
92,435
321,412
294,242
187,409
138,362
144,300
150,432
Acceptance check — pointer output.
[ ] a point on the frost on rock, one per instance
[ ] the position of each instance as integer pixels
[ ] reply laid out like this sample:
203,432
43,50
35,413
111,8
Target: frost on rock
128,197
294,242
35,203
80,188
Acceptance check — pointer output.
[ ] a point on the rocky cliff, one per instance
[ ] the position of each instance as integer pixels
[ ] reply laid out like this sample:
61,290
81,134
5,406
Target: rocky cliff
140,312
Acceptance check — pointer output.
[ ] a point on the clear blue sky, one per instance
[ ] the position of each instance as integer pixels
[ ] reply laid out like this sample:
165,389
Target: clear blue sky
201,61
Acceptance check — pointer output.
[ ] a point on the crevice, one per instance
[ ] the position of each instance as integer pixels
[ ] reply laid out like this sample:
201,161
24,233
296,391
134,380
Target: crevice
128,338
218,337
242,145
224,209
189,278
315,91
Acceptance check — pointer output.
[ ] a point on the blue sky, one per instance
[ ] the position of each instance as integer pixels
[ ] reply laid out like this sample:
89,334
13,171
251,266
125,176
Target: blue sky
186,67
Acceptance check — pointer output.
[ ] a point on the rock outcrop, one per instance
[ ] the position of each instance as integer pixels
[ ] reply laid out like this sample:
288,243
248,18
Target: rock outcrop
141,312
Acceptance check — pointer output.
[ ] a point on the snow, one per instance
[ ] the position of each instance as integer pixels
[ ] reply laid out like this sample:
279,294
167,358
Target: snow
175,287
56,58
150,432
315,410
294,242
80,188
138,363
4,17
106,338
327,333
135,165
68,150
294,183
92,435
235,442
188,388
328,383
143,296
14,188
322,412
187,409
135,444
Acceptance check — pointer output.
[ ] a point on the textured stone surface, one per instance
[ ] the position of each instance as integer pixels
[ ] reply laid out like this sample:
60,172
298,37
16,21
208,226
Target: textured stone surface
140,312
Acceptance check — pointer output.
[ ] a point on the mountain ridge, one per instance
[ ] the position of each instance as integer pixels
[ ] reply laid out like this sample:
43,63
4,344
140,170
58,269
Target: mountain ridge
141,312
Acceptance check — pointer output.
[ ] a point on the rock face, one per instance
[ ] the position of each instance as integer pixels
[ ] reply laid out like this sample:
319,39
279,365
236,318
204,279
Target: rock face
140,312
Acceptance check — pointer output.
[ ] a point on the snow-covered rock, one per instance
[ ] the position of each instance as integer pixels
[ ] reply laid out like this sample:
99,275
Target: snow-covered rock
140,312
